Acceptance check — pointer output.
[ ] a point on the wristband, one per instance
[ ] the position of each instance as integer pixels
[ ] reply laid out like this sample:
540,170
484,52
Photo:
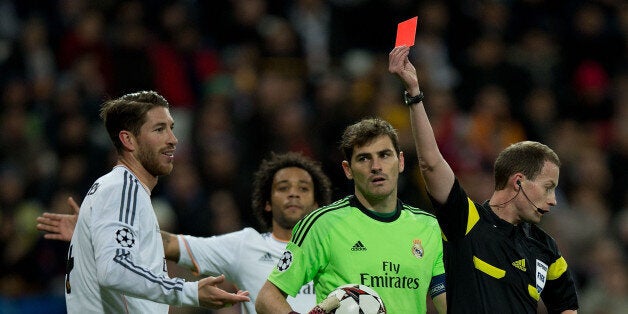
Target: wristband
411,100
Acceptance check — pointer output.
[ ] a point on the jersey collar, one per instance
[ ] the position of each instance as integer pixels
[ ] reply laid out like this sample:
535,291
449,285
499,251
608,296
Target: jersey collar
133,174
354,202
501,225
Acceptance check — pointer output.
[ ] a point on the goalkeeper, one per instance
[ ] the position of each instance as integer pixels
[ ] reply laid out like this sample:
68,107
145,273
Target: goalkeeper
369,238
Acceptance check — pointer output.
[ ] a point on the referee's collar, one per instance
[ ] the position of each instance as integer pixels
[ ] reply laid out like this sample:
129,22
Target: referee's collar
502,225
354,202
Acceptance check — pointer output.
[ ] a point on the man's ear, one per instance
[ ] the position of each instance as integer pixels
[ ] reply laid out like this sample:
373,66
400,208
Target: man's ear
267,207
347,169
516,181
128,140
402,163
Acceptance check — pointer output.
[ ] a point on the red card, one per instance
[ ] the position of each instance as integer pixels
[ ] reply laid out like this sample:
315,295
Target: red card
406,31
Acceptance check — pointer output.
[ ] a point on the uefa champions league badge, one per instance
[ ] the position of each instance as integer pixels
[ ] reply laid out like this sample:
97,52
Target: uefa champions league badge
417,248
125,237
285,261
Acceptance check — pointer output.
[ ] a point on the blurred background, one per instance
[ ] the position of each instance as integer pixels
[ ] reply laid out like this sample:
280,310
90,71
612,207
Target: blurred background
247,77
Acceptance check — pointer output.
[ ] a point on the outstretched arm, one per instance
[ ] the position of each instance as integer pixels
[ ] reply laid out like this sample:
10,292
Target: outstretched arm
59,226
210,296
438,175
171,246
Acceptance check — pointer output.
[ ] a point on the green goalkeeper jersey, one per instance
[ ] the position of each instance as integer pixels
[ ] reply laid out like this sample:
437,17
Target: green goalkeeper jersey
344,243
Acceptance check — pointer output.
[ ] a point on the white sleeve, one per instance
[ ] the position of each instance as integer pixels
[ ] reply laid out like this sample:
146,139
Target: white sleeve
127,258
213,255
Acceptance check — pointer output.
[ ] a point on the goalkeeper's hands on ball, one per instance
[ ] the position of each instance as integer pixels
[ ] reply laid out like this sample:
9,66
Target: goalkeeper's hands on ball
326,306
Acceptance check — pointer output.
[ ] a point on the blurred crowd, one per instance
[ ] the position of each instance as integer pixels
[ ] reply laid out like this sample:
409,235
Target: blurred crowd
247,77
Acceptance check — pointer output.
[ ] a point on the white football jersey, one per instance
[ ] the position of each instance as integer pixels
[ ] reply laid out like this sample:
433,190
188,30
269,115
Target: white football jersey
246,257
116,258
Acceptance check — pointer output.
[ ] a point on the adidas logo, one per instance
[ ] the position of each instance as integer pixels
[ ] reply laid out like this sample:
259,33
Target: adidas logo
267,258
520,264
358,246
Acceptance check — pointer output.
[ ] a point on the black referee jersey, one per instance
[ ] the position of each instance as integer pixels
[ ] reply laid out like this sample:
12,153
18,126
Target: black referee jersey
493,266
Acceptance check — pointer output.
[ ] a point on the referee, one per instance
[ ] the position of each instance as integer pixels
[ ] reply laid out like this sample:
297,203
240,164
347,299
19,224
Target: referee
496,259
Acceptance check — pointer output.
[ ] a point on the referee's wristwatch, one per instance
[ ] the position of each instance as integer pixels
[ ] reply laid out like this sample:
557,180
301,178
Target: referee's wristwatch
410,100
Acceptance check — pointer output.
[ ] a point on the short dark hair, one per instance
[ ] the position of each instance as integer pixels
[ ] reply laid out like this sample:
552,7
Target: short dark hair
527,157
128,112
364,131
264,176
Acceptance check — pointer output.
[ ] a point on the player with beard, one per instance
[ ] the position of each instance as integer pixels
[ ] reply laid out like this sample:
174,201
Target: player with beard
286,187
116,260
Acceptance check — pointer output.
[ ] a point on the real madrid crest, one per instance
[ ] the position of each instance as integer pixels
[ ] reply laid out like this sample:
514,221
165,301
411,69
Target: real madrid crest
417,248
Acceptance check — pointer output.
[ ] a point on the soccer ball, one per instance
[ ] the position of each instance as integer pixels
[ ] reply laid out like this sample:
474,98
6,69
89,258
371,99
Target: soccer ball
358,299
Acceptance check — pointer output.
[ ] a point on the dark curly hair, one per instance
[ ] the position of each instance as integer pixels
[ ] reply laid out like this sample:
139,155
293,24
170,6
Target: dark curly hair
263,182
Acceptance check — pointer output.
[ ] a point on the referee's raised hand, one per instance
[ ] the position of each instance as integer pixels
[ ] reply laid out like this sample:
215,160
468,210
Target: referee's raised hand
400,65
59,226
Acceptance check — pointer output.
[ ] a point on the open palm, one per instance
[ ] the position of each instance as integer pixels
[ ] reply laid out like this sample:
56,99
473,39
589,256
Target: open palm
59,226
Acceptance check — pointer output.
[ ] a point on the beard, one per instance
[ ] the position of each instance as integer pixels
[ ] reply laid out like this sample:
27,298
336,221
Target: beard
149,159
289,221
286,222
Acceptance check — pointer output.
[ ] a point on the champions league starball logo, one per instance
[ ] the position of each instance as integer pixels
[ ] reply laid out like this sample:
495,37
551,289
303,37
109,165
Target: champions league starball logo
125,237
284,261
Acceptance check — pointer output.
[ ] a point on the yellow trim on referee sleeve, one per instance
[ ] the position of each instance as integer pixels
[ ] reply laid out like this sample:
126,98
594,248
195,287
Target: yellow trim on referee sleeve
533,292
473,218
488,268
557,269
